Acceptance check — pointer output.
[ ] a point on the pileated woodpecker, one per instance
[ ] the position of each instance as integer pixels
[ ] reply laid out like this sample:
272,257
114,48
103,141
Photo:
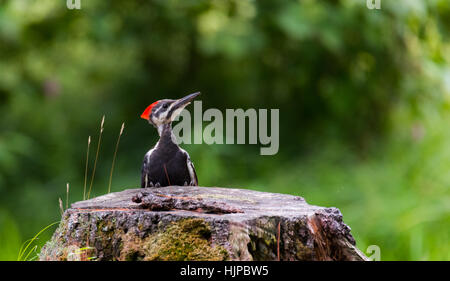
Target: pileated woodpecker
166,163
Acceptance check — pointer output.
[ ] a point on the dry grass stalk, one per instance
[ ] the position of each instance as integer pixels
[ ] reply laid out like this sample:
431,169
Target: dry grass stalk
86,170
67,196
114,157
96,156
61,209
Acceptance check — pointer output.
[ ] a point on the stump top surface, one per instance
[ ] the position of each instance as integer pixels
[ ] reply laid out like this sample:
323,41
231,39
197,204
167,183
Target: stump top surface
202,201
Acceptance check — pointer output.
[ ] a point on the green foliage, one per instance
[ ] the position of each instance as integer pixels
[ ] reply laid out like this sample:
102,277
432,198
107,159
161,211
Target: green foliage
10,238
363,98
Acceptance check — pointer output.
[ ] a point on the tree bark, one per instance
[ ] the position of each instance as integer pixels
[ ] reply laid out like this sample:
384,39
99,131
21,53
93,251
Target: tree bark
200,223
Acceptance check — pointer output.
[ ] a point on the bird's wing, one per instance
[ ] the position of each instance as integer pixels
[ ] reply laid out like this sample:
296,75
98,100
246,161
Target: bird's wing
145,169
192,172
191,169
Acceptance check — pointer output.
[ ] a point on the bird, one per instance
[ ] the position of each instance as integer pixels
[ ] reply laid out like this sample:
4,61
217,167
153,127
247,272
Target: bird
166,163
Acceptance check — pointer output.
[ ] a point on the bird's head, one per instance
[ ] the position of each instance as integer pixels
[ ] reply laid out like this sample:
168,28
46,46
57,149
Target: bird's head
165,111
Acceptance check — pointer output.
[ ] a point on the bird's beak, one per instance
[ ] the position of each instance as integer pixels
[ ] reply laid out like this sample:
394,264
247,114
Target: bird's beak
183,102
180,104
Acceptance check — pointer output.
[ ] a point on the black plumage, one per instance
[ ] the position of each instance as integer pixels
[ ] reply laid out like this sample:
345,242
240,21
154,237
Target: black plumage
167,164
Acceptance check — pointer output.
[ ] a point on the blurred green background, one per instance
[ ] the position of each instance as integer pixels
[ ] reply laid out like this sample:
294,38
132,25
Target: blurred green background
364,99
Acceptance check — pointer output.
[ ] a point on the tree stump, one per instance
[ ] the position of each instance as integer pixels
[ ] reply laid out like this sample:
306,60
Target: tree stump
200,223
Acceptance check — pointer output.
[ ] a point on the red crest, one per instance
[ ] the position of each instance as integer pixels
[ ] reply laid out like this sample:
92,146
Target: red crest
148,111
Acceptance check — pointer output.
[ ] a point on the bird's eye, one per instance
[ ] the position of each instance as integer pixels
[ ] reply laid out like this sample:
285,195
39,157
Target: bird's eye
165,106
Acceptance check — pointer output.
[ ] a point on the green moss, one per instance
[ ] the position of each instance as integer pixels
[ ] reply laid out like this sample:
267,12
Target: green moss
105,234
302,252
187,239
105,228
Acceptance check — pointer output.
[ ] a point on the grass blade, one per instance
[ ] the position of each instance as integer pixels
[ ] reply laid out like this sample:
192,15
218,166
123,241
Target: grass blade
61,207
23,245
114,157
67,196
30,251
96,155
86,170
19,258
